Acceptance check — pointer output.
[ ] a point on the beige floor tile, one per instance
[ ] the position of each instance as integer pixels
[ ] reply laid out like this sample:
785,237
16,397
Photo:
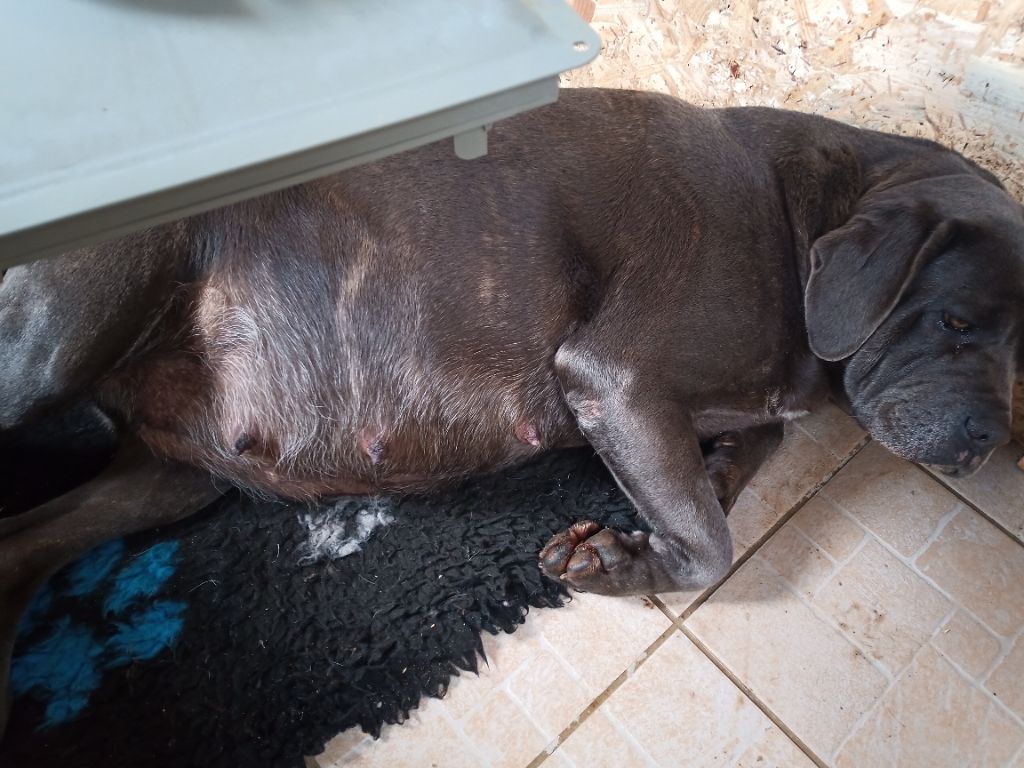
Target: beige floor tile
967,644
536,681
749,520
892,498
933,717
427,739
598,636
505,654
885,606
794,471
495,731
797,559
829,527
600,742
997,488
684,711
835,430
550,692
501,733
793,660
340,746
813,449
775,750
558,760
1007,680
982,568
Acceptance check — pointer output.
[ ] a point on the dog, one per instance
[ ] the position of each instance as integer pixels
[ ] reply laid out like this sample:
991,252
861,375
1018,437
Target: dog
665,283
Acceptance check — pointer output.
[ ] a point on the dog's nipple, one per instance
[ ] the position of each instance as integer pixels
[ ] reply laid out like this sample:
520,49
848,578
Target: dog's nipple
526,432
374,443
243,442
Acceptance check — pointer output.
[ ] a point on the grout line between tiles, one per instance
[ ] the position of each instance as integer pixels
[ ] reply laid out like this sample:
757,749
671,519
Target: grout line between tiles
978,682
602,697
910,561
897,678
754,699
955,604
1015,760
830,620
944,521
982,681
753,548
971,505
1006,645
839,566
817,547
662,607
877,703
626,734
677,621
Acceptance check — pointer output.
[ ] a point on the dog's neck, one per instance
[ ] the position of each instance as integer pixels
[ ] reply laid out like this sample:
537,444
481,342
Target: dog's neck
825,181
821,187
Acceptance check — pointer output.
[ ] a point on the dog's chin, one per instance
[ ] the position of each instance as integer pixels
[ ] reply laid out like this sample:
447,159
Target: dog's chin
960,470
954,471
950,464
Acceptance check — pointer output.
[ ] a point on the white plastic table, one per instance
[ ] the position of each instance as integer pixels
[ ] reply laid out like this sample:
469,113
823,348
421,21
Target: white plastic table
121,114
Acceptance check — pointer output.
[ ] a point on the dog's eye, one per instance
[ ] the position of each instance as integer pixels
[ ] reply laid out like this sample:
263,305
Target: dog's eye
954,323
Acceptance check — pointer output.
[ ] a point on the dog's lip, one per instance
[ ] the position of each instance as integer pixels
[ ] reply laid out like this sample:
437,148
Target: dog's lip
961,469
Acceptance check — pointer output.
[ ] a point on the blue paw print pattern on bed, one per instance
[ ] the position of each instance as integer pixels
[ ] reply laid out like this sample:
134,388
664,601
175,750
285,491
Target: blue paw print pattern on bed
61,657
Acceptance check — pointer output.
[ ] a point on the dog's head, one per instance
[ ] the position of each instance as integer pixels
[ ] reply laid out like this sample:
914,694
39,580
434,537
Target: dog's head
921,295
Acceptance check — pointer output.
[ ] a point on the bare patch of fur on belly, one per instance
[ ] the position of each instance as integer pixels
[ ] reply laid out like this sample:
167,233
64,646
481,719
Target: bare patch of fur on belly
333,534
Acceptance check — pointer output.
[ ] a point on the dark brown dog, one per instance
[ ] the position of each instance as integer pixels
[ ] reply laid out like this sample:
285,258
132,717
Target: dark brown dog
666,283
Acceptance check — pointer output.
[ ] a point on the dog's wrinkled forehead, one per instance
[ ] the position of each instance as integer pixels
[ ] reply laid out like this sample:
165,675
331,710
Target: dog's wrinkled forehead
976,282
990,247
977,277
980,263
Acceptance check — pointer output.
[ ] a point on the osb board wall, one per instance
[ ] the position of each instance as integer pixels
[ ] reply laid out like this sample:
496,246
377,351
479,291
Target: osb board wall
947,70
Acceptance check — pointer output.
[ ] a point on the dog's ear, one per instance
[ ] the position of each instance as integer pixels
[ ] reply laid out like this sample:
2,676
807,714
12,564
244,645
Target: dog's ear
860,271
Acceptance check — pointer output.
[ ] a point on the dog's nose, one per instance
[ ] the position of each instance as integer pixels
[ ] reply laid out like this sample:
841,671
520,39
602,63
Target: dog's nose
986,434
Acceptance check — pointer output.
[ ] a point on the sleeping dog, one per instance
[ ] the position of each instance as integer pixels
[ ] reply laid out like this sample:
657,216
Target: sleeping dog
666,283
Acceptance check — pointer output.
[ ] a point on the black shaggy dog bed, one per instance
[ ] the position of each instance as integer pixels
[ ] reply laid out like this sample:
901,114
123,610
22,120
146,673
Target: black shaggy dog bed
252,633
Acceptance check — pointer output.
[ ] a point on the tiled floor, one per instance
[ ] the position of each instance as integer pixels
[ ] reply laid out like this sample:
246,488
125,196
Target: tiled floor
875,618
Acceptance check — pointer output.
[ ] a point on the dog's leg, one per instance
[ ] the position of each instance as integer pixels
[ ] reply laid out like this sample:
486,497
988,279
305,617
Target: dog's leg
653,453
731,461
136,492
732,458
648,442
65,321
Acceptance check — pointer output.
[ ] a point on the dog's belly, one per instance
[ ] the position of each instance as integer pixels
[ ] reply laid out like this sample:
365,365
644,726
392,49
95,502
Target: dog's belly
382,439
287,396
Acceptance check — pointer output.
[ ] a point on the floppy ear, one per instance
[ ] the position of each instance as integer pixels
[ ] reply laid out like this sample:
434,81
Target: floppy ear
860,271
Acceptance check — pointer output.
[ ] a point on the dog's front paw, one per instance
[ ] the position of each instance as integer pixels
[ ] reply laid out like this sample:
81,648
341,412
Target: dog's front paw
591,558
